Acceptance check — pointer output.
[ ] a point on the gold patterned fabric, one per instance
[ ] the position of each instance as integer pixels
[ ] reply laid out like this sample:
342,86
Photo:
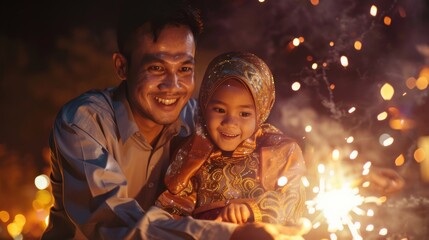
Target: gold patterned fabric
201,179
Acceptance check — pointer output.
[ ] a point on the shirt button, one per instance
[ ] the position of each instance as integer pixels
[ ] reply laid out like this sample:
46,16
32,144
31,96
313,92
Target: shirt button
150,185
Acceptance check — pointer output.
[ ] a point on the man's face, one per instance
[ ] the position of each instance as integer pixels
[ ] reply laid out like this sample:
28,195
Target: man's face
161,74
230,115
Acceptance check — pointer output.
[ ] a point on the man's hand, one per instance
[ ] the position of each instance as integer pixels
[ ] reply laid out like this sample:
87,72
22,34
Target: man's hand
384,180
267,231
235,212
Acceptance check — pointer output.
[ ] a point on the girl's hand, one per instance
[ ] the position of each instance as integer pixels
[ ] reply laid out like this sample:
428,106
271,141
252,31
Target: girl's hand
235,212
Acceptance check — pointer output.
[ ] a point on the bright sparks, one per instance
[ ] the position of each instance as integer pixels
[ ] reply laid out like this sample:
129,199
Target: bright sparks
337,202
295,42
314,66
344,61
373,11
282,181
336,154
353,155
385,139
41,182
296,86
382,116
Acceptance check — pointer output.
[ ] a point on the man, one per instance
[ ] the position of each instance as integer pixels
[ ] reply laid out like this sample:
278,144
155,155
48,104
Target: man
110,148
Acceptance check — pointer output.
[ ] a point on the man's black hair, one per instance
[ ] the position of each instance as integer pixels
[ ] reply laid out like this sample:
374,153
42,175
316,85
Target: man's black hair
158,13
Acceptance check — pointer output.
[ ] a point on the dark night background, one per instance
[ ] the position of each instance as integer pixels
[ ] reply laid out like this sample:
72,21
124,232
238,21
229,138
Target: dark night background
51,51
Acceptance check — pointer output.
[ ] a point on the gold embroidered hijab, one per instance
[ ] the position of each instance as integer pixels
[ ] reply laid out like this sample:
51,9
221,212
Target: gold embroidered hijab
248,69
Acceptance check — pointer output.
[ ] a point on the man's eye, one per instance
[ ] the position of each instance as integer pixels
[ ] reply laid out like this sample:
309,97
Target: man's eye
155,68
186,69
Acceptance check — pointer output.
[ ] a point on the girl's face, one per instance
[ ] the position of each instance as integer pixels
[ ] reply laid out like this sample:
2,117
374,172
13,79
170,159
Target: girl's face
230,115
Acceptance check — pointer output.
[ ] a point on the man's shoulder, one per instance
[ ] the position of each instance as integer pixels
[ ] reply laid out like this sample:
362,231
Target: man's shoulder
93,103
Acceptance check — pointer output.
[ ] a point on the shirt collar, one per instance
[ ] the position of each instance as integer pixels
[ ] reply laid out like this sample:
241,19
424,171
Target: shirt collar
123,115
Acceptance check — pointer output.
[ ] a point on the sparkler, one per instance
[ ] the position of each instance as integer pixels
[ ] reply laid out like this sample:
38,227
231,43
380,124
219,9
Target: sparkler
338,201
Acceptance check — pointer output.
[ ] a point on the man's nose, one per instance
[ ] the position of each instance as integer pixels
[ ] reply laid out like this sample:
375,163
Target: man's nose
170,81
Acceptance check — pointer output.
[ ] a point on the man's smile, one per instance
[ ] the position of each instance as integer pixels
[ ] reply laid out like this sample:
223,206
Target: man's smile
166,101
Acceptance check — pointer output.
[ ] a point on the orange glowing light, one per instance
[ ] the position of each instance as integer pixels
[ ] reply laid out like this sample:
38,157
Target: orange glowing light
332,86
419,155
314,2
301,39
402,12
410,83
393,111
387,91
400,160
331,43
4,216
422,83
424,72
14,229
401,123
309,58
324,64
358,45
387,20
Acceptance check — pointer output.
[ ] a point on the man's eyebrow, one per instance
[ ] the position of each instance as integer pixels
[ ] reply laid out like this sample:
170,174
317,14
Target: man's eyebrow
159,57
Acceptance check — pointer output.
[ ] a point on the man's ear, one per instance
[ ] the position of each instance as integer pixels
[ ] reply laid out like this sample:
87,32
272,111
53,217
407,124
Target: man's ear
120,64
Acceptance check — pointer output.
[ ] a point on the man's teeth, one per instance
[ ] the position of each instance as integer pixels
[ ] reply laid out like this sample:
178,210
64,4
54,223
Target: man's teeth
166,101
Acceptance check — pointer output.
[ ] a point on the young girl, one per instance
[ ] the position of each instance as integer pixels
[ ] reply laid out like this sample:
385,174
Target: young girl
235,167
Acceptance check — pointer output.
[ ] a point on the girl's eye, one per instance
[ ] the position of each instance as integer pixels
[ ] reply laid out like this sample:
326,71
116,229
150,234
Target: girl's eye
219,110
245,114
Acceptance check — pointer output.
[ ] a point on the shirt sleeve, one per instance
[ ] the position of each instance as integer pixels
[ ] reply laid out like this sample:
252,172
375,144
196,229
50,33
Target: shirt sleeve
90,191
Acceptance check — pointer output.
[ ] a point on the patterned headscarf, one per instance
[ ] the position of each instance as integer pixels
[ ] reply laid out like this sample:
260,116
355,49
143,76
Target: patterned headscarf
257,77
248,69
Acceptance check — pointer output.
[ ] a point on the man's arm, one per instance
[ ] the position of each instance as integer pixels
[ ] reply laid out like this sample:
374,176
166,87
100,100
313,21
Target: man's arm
90,192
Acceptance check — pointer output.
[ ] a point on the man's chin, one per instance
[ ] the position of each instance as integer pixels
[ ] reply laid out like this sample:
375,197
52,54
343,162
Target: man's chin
166,119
